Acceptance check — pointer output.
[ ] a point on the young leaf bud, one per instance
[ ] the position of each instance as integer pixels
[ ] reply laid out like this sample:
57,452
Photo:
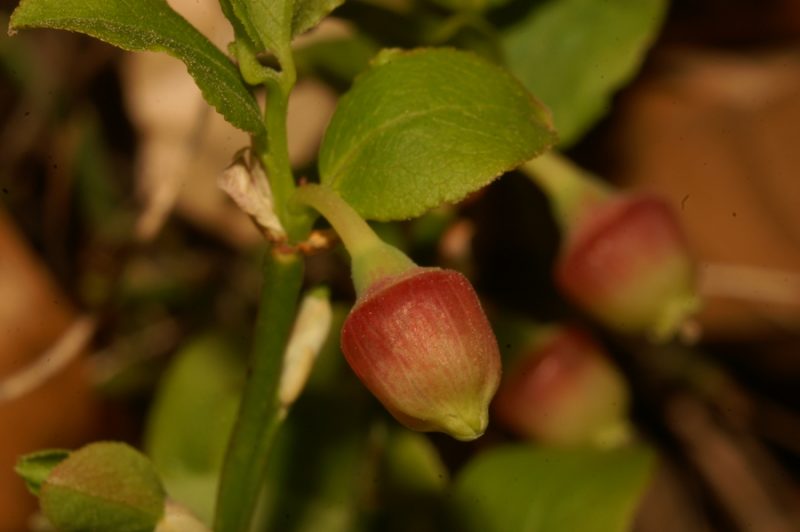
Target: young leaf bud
564,391
417,337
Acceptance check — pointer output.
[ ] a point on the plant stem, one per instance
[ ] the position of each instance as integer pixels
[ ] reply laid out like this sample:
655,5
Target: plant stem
258,418
274,151
372,258
569,188
259,415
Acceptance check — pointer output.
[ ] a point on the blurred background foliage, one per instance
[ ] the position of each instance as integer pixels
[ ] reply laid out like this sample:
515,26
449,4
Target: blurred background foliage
123,265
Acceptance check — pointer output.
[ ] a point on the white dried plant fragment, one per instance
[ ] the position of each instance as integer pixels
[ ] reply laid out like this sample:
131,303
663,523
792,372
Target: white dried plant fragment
178,518
311,328
248,187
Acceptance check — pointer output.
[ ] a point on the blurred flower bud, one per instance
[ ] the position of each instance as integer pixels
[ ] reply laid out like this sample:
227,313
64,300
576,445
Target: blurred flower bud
564,391
626,262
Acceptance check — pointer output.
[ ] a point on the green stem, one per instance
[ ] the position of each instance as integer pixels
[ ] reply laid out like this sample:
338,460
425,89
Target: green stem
274,151
259,416
569,188
372,258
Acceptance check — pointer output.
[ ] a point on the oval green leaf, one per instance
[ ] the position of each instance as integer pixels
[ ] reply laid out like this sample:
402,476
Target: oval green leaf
575,53
103,487
425,127
522,488
191,420
151,25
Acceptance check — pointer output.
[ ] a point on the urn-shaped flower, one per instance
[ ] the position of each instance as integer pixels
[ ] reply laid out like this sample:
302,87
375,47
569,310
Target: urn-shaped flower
626,262
563,390
422,344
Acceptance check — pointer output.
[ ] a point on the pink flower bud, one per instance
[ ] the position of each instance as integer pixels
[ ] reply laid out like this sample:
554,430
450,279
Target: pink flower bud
626,262
423,346
564,392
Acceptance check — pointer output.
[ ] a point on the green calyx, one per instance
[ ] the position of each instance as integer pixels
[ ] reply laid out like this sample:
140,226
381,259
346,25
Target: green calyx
372,258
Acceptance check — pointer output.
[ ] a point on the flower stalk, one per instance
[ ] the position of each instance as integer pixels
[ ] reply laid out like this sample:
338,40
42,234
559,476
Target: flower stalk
372,259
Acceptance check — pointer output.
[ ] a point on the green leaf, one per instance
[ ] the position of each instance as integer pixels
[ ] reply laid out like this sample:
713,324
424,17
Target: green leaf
273,23
151,25
103,487
573,54
34,468
425,127
191,419
308,13
521,488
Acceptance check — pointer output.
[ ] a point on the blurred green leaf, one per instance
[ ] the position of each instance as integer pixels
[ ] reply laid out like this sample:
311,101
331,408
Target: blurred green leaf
413,465
573,54
524,488
337,60
470,5
151,25
321,465
425,127
34,468
191,419
103,487
411,483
